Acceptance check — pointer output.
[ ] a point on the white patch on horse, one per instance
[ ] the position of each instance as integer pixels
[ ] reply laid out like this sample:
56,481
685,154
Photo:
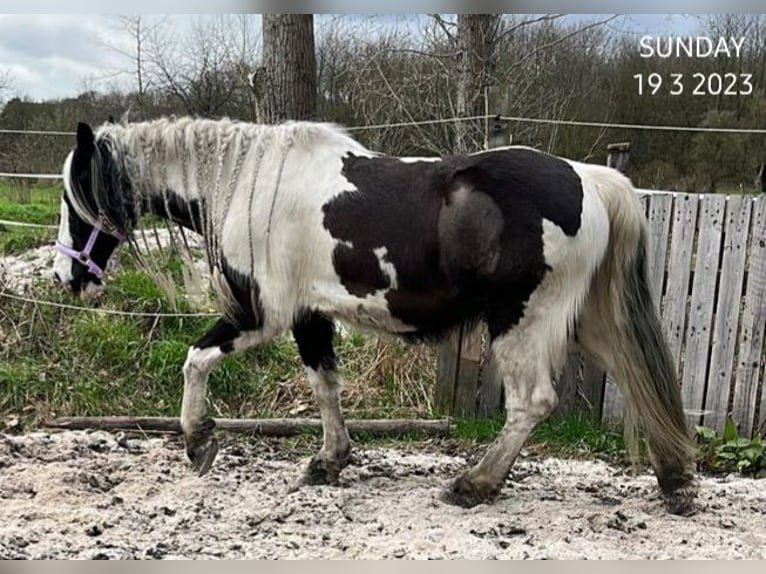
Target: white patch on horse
386,266
326,386
199,363
573,262
62,264
92,291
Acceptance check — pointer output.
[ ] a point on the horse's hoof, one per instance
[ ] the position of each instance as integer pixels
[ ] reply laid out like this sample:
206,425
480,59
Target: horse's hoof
203,456
466,493
322,471
682,501
202,447
679,493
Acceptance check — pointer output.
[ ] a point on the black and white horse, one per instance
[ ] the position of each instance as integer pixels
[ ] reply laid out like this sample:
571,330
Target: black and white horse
304,226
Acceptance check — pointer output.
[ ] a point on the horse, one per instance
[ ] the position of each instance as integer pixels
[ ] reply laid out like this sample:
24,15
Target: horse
304,226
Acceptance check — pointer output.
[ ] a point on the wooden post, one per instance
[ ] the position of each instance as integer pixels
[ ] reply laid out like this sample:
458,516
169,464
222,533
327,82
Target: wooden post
618,156
458,391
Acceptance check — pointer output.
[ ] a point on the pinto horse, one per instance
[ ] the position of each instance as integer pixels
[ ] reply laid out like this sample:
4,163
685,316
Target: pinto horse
304,226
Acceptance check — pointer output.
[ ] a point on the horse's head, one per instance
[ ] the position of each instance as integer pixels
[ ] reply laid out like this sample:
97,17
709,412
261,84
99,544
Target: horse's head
88,232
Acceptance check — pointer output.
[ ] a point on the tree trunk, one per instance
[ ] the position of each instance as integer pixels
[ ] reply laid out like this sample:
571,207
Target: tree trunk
285,85
459,357
476,36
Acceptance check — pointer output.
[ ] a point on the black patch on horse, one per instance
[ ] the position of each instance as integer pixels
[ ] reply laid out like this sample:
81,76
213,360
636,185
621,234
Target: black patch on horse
170,205
464,234
247,294
526,177
359,270
222,335
313,333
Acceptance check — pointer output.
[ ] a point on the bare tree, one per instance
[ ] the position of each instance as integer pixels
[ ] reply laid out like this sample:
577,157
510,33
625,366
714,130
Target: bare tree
285,85
136,27
204,71
6,82
476,35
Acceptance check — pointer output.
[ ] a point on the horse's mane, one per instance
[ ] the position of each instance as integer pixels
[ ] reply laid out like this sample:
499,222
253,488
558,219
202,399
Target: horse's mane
178,134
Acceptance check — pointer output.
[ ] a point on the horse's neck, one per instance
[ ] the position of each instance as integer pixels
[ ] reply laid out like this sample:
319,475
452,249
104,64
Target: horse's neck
200,173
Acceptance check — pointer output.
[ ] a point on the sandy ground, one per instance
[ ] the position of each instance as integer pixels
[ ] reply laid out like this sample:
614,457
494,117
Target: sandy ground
97,495
19,272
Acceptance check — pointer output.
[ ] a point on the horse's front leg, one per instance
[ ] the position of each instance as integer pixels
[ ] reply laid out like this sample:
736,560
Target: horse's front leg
314,333
203,357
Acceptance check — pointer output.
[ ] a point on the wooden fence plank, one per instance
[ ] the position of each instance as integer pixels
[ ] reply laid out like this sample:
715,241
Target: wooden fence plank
761,427
700,317
446,372
679,269
467,380
580,387
660,211
490,386
725,329
751,340
614,403
458,361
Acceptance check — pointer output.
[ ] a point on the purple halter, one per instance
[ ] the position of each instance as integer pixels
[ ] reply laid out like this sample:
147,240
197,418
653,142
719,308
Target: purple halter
103,226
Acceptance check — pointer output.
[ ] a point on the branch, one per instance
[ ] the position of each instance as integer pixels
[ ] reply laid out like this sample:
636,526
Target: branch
443,24
560,40
262,427
543,18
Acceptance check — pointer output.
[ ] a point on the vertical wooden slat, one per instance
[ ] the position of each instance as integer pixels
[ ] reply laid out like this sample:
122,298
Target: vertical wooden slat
566,386
446,372
660,211
458,361
580,387
760,429
700,319
614,402
593,382
751,340
679,269
467,380
490,386
726,326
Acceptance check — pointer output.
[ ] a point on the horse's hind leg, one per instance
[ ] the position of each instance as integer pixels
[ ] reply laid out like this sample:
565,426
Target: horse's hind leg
529,398
203,357
314,333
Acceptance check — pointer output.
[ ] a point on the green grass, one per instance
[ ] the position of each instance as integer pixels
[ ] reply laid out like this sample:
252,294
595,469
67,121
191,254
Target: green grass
57,362
571,435
19,241
38,204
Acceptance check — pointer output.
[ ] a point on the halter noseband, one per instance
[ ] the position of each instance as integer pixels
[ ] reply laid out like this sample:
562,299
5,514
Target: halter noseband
102,226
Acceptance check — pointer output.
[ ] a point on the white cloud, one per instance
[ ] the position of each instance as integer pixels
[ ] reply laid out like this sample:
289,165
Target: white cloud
51,55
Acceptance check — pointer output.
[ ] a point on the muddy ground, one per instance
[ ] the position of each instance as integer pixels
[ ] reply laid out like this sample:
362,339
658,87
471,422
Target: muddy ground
98,495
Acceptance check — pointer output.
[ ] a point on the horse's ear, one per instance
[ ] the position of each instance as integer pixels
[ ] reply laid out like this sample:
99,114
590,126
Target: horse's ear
85,137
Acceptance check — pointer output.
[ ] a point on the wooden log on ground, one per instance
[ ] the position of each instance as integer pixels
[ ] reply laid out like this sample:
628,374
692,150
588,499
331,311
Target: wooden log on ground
261,427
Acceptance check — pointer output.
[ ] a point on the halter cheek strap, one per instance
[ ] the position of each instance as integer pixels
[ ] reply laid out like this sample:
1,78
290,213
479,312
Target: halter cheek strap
84,255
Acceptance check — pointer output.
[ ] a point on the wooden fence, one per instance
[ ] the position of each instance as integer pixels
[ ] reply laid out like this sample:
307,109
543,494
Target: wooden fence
708,274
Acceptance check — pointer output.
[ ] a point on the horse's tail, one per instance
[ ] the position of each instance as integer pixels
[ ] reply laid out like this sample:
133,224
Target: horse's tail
620,325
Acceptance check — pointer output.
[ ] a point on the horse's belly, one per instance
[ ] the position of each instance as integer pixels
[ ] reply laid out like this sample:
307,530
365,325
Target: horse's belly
371,311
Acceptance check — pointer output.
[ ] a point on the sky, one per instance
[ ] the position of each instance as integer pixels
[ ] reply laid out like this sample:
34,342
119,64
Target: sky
62,55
